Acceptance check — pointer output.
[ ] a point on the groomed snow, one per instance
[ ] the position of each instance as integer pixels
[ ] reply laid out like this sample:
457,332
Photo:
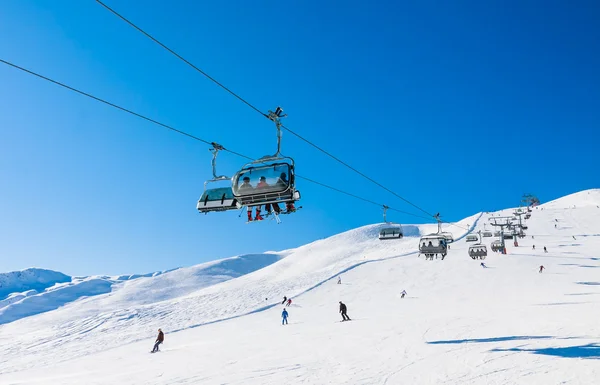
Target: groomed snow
460,323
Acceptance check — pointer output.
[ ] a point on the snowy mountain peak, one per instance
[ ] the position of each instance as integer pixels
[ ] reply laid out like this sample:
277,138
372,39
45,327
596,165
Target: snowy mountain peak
29,279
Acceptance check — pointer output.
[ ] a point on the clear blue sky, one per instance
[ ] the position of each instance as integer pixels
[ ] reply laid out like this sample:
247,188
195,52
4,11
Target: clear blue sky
457,106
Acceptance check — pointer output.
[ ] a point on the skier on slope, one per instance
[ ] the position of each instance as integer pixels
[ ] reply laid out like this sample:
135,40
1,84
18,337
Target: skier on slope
545,251
284,299
343,310
284,317
541,268
403,294
159,340
533,247
289,302
339,280
483,265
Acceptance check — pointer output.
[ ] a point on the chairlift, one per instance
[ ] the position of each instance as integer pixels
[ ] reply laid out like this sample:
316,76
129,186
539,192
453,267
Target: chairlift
448,236
478,251
497,246
394,231
218,198
391,230
268,180
487,234
508,235
472,238
433,244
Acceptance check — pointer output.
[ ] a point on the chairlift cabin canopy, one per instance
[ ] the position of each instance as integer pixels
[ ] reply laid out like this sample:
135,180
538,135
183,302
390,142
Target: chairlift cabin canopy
472,238
448,236
478,251
433,244
487,234
391,231
258,184
217,199
496,245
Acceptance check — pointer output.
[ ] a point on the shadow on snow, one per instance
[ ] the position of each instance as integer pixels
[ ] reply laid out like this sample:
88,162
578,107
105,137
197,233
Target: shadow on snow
493,339
590,351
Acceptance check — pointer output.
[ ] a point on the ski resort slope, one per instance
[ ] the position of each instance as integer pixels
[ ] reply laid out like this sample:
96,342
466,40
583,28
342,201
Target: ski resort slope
460,323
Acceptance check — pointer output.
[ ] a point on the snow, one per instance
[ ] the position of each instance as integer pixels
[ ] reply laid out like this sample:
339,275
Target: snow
459,323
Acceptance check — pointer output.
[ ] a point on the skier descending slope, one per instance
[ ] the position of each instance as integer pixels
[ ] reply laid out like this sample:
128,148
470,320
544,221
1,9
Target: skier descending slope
403,294
159,340
541,268
343,310
284,316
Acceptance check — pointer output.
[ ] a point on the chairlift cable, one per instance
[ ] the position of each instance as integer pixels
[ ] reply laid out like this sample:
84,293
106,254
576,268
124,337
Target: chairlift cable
182,132
180,57
255,108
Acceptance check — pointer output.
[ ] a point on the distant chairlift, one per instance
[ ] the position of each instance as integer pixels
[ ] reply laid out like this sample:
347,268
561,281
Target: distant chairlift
448,236
487,234
472,238
219,198
478,250
433,244
496,246
390,230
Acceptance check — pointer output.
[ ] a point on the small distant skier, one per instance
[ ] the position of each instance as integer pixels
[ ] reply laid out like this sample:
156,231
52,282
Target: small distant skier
343,310
483,265
403,294
545,251
533,247
284,316
159,340
574,237
289,302
284,299
555,225
339,280
541,268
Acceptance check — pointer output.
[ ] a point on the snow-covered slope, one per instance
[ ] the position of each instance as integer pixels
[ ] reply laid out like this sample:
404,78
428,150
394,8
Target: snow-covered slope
126,290
460,323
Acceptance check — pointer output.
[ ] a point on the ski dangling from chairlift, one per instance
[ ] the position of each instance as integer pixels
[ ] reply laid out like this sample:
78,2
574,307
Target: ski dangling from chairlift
390,230
218,198
269,180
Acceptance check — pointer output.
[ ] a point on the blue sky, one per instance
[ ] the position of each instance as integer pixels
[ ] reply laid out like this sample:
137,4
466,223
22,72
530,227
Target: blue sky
458,107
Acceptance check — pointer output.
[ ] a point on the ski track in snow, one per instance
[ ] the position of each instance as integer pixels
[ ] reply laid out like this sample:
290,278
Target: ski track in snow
459,324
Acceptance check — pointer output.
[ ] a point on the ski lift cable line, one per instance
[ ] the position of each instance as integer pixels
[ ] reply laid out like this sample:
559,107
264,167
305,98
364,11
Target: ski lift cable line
182,132
255,108
181,58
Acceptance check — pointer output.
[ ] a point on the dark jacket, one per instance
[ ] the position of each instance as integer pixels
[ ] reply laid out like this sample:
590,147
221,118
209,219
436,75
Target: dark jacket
161,336
343,308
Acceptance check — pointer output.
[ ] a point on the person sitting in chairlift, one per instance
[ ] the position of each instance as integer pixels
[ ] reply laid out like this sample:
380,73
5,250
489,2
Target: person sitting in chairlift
245,187
283,182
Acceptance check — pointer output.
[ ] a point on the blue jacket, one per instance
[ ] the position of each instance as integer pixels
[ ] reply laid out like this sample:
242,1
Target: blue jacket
284,314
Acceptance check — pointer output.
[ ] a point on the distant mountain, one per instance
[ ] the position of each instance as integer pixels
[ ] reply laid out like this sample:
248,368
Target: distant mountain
33,291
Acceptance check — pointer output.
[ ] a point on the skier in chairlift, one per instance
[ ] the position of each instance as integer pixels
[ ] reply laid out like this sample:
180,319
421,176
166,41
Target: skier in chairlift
246,186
